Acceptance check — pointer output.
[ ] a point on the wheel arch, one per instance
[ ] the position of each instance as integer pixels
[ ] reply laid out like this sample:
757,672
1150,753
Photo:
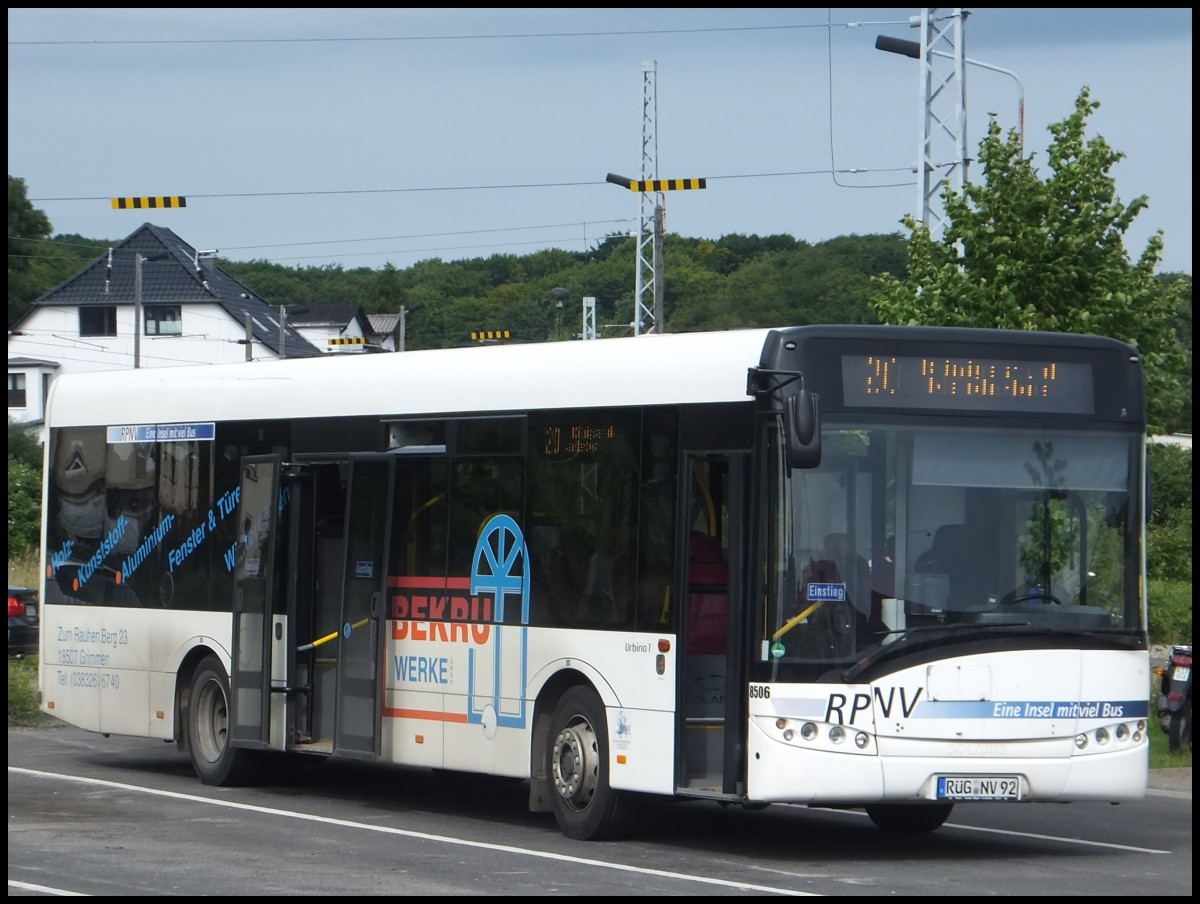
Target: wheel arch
547,698
184,673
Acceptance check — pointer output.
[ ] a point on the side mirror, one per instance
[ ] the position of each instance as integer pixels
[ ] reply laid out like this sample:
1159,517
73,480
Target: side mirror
802,429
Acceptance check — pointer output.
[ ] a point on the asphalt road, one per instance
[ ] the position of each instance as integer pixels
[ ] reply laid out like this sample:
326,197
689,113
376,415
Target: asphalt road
117,816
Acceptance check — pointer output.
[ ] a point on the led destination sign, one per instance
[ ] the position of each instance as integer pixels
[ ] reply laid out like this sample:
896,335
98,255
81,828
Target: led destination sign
967,384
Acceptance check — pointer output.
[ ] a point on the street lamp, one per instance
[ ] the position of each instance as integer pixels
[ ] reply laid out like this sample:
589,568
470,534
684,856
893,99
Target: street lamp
913,49
559,295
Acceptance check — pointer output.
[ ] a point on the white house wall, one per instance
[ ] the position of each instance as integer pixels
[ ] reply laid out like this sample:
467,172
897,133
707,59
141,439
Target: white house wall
322,336
209,336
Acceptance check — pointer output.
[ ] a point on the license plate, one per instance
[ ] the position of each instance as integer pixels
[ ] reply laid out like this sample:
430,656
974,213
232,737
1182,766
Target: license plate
978,787
1181,673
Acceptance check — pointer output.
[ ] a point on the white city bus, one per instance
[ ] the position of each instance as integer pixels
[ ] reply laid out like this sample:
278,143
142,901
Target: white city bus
842,566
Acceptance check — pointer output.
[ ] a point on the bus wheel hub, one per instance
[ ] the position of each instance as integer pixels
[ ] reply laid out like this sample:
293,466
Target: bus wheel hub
574,764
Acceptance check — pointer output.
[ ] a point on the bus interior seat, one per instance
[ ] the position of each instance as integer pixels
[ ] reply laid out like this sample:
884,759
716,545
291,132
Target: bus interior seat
708,596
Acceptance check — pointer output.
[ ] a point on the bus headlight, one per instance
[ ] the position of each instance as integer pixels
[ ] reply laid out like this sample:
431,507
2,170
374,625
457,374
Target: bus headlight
1081,741
837,734
808,731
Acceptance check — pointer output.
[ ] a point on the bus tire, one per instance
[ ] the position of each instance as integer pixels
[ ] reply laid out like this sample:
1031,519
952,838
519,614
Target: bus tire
585,805
909,819
215,762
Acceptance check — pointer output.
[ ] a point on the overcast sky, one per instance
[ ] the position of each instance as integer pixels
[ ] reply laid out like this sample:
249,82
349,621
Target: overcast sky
358,137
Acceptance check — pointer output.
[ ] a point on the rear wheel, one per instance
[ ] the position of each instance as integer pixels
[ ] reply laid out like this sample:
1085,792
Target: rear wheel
585,806
1179,733
909,819
215,762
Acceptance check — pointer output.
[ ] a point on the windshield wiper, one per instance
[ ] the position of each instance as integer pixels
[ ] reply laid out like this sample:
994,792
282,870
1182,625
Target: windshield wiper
911,635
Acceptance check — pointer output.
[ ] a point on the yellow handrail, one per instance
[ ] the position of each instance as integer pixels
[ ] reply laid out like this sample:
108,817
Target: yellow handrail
795,620
303,648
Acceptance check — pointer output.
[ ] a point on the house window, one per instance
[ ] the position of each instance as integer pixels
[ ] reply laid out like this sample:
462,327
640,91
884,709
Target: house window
98,320
163,320
16,390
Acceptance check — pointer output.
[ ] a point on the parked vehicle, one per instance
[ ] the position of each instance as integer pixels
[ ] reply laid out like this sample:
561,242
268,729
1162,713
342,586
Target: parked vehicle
1175,699
22,621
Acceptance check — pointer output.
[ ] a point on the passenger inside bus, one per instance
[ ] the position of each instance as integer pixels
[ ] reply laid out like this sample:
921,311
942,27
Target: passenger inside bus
827,626
856,572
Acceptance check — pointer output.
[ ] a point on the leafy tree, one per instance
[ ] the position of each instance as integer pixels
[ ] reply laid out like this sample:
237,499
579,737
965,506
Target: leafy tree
1181,284
1027,254
23,444
778,286
24,507
24,489
28,227
387,292
1169,540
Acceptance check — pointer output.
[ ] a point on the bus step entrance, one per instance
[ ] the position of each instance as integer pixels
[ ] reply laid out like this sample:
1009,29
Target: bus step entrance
705,740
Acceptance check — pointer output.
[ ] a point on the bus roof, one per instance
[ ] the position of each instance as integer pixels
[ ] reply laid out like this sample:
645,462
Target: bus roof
652,369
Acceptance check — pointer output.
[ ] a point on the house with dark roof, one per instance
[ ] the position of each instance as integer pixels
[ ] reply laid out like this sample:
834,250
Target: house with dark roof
336,328
151,301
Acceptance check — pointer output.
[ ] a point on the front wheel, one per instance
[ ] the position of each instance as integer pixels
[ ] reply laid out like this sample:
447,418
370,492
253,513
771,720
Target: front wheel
586,807
215,762
1179,732
909,819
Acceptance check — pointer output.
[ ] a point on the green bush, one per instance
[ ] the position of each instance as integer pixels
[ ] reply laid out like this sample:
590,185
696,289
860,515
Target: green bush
24,489
1170,604
23,445
1169,546
1169,533
24,507
22,694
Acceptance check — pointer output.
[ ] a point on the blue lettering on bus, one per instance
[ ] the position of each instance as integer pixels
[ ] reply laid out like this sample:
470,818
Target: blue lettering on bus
423,669
1033,709
148,545
189,545
852,708
107,545
161,433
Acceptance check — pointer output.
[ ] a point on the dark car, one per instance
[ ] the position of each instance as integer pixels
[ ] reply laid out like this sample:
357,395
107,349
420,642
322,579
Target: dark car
22,621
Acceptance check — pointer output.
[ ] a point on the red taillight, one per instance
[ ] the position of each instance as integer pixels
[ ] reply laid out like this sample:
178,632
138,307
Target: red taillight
1175,660
15,606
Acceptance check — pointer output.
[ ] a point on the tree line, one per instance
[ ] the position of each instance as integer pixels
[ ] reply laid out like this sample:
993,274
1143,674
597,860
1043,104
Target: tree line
1020,251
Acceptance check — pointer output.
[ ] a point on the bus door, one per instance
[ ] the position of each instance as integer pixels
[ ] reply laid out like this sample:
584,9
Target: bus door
360,646
712,633
257,597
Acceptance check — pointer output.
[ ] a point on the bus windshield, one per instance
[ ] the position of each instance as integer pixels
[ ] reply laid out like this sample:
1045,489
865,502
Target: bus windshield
933,529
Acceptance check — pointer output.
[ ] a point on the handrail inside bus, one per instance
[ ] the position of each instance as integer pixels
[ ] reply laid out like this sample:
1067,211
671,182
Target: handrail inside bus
796,619
304,648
